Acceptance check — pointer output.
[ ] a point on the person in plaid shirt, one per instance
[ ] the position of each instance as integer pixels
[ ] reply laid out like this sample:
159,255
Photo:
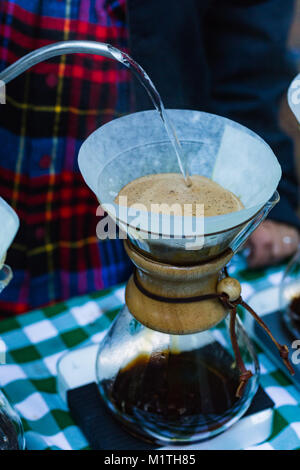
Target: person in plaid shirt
50,110
224,57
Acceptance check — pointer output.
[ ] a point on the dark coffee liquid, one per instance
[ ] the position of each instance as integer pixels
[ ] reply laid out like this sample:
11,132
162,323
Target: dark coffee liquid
294,312
8,434
188,389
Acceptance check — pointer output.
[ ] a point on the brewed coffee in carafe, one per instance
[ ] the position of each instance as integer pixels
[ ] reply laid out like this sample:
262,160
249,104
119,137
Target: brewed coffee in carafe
185,389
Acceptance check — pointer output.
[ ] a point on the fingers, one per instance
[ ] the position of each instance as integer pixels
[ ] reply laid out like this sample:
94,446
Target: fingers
271,243
260,244
285,242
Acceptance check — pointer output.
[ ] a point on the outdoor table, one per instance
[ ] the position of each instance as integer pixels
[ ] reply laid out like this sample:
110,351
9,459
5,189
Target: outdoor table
36,341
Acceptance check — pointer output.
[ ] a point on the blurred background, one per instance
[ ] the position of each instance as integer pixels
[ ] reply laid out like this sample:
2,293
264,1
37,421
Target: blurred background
288,121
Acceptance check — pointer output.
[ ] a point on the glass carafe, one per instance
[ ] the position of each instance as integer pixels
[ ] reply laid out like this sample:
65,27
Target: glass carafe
11,429
174,388
167,368
178,388
289,295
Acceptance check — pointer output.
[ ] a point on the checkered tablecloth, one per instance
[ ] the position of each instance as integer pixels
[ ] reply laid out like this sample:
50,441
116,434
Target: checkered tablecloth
35,342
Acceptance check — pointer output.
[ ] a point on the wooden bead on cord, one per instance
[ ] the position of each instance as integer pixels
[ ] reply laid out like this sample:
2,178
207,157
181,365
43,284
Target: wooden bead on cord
231,287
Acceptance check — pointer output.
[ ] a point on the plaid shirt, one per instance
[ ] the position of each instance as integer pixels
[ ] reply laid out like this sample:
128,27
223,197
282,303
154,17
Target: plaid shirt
50,110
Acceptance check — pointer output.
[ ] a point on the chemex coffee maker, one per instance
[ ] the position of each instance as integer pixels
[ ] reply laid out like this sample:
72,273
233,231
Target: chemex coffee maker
176,365
11,430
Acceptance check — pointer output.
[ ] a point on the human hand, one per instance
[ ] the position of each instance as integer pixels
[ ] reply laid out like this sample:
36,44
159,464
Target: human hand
271,243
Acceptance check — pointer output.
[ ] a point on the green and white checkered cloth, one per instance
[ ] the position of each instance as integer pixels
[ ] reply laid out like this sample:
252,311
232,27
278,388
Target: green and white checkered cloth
35,342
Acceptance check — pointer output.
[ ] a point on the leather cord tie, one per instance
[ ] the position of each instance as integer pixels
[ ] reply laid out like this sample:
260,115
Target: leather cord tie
232,305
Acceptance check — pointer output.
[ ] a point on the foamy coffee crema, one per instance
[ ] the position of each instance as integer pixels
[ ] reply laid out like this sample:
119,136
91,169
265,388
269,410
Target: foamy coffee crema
170,189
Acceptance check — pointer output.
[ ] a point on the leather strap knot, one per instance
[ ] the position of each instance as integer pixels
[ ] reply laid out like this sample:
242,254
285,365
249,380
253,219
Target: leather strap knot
284,354
244,377
230,303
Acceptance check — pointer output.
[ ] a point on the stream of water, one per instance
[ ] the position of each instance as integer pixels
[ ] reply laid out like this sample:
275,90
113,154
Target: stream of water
105,50
147,83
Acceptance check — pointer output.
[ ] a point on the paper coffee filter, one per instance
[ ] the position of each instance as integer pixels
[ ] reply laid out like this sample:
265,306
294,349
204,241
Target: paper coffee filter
294,97
137,145
9,226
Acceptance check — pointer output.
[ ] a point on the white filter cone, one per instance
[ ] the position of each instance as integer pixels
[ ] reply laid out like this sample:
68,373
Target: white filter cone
218,148
294,97
9,226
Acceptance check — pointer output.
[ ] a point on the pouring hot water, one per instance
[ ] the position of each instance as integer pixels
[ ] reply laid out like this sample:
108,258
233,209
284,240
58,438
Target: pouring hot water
207,192
105,50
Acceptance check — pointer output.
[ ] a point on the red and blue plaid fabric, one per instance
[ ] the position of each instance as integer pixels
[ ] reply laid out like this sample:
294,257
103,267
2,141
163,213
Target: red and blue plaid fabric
50,110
